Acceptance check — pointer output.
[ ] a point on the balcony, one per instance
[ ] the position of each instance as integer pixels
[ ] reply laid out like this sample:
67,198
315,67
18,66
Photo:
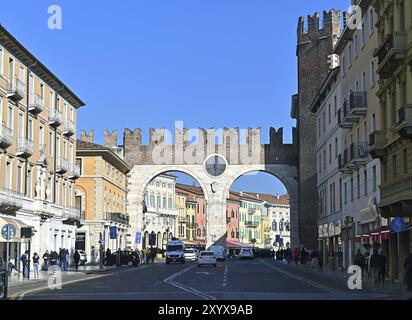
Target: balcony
68,128
342,122
404,126
16,90
72,216
352,109
6,136
396,197
353,157
74,171
25,147
390,54
36,104
251,224
62,165
10,201
55,117
377,142
119,218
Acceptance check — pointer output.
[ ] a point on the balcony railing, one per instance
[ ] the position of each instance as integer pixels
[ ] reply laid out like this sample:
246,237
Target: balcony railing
74,171
396,190
251,224
353,157
404,126
342,122
390,52
62,165
358,151
358,103
119,218
16,89
68,127
10,201
55,117
6,136
71,215
377,142
25,147
36,103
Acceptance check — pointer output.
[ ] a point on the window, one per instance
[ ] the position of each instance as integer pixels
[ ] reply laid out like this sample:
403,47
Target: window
371,22
336,106
343,65
358,185
336,148
164,203
374,179
355,45
51,143
405,161
10,117
320,163
402,16
51,100
372,73
394,169
350,54
330,153
28,182
1,61
324,121
79,163
41,135
363,34
331,198
30,130
19,178
393,107
329,114
363,81
169,200
324,159
351,189
320,127
373,122
365,181
152,201
158,204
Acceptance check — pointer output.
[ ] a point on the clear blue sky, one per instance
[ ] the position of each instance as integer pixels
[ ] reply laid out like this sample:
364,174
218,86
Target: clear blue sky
210,63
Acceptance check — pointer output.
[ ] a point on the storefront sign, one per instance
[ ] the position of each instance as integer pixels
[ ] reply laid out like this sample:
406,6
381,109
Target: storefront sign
331,229
326,230
338,228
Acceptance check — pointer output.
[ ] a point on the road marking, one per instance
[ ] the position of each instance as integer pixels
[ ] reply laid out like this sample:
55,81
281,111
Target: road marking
170,280
225,277
307,281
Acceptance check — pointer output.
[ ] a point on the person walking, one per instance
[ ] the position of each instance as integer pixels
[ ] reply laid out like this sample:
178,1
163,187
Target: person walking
375,265
315,258
296,255
67,257
36,259
303,255
408,267
144,256
25,259
359,260
76,259
382,269
46,256
62,259
287,254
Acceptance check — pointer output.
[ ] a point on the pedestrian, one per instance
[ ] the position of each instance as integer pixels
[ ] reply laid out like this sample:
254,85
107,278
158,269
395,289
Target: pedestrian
315,258
287,254
67,257
375,265
296,255
36,259
25,259
76,260
408,267
144,256
382,268
46,256
62,259
303,255
54,258
359,260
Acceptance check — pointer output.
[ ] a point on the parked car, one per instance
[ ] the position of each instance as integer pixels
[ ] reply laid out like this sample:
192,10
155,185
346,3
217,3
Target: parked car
127,258
263,253
175,252
246,253
190,254
83,257
206,258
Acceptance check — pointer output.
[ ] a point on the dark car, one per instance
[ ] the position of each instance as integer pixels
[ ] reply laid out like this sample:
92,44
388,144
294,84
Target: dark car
263,253
127,258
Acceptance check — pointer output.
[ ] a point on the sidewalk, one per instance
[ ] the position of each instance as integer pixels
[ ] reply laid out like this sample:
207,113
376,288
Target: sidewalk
390,288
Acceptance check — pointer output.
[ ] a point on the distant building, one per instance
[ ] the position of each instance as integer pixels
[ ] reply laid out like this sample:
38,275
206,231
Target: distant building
232,214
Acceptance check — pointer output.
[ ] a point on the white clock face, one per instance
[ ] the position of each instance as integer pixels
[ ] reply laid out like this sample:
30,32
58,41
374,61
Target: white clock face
215,165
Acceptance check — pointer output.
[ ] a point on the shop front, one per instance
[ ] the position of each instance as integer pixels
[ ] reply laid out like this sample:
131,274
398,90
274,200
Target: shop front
330,244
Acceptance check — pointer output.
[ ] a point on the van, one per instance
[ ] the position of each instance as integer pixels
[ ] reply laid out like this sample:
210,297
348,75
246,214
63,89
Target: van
219,251
175,252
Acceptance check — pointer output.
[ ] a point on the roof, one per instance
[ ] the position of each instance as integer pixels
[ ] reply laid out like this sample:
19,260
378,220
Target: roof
272,199
83,147
27,58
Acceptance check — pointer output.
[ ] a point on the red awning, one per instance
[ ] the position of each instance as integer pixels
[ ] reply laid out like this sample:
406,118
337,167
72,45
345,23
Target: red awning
233,244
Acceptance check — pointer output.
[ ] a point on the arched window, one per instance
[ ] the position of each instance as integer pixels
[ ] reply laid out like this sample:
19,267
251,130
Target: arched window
164,203
274,226
233,214
232,234
281,223
158,201
152,201
170,206
287,226
198,232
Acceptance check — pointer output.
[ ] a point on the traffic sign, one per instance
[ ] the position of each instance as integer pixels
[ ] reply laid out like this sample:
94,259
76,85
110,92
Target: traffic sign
8,231
138,238
113,233
398,225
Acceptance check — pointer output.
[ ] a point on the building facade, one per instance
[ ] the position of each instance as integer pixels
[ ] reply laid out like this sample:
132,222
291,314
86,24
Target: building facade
38,115
250,217
101,196
232,214
161,215
391,141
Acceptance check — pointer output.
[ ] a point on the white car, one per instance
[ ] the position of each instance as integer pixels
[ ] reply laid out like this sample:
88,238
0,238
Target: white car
206,258
220,252
246,253
190,254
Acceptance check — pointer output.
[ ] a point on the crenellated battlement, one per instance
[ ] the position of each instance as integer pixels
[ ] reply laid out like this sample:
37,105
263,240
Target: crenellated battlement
184,145
315,25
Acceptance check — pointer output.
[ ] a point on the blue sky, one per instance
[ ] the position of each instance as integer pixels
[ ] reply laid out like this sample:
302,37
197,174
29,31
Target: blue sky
210,63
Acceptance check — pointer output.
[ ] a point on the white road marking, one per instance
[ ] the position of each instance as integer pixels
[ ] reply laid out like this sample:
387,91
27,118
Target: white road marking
170,280
307,281
225,277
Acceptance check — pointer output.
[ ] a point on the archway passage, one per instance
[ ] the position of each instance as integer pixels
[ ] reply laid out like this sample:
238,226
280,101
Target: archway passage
174,206
258,213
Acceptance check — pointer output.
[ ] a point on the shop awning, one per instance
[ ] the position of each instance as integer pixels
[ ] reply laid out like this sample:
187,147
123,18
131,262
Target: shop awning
233,244
17,223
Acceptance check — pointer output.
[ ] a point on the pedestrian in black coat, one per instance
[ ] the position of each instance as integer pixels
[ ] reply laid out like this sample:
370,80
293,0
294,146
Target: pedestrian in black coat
76,259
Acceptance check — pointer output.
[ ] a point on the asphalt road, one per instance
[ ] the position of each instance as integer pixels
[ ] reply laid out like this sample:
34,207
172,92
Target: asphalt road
230,280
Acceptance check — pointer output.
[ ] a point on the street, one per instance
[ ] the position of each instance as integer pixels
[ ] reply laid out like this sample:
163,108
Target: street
231,280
